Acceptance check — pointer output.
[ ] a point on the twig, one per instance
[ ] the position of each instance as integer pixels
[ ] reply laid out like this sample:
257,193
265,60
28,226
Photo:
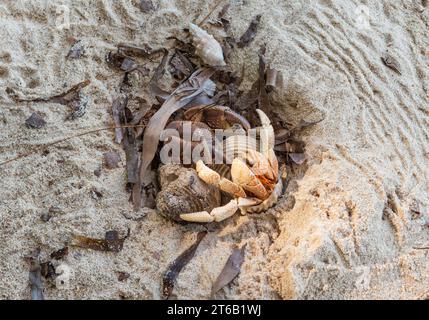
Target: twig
26,154
210,13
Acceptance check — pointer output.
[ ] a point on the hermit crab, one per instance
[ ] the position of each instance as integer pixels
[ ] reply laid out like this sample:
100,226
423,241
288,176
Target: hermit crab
250,179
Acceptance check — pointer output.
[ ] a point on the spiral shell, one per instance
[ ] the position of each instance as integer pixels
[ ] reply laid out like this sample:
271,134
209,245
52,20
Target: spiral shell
207,48
182,191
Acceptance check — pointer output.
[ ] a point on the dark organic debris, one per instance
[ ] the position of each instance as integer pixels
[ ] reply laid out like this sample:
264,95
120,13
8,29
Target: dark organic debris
147,6
123,276
250,33
47,270
95,194
230,270
35,275
117,111
59,254
121,61
143,52
77,50
177,265
391,62
154,87
111,159
110,243
78,107
35,121
298,158
180,66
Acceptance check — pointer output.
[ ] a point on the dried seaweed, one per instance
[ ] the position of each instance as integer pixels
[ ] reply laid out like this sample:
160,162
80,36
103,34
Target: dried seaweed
170,276
110,243
59,254
143,52
35,121
230,270
180,66
250,33
185,93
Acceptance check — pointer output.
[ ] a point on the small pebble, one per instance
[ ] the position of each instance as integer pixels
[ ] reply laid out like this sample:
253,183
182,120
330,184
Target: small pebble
35,121
97,172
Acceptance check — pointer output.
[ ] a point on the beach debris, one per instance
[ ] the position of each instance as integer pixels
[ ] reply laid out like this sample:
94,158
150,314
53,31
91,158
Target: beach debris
123,276
194,86
391,62
111,159
121,61
59,254
207,47
76,51
95,194
154,87
78,107
47,270
231,269
250,33
147,6
180,66
118,107
35,121
110,243
178,264
35,275
143,52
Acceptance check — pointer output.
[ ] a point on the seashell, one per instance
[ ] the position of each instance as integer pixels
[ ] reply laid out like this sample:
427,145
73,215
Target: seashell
182,191
207,47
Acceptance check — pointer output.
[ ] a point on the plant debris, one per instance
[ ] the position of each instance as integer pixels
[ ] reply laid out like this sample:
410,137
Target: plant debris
121,61
47,270
118,107
147,6
111,159
123,276
230,270
35,275
178,264
77,50
391,62
250,33
110,243
59,254
35,121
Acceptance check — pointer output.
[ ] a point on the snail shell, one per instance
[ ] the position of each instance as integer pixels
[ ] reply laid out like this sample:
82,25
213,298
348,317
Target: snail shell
207,48
182,191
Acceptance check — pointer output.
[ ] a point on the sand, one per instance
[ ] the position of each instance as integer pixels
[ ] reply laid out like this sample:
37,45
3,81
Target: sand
353,217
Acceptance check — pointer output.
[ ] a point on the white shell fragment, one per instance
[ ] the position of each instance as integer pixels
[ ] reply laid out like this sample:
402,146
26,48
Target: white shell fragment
202,217
207,47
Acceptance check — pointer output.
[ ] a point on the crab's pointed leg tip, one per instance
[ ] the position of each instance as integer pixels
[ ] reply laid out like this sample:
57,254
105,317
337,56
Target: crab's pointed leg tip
264,118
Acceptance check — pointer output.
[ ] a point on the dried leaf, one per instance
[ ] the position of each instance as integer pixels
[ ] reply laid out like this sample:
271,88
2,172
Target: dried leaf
177,265
123,276
391,62
154,82
111,159
110,243
117,110
77,50
58,255
250,33
35,121
121,61
298,158
184,94
47,270
181,67
147,6
230,270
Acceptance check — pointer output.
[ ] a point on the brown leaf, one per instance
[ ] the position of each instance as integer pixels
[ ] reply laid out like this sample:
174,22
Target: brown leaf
35,121
144,52
250,33
185,93
121,61
391,62
180,66
58,255
154,87
230,270
298,158
110,243
170,276
117,111
123,276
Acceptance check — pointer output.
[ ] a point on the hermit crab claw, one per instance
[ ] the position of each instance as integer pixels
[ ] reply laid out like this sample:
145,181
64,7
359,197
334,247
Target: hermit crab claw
245,178
266,133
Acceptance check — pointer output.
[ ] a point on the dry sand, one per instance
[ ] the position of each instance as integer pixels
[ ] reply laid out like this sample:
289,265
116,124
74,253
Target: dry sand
347,227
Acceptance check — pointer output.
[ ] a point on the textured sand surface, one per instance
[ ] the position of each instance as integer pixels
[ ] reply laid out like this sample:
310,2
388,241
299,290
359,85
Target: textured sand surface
348,226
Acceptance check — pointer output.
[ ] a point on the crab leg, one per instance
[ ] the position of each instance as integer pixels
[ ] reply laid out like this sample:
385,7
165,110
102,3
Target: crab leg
211,177
217,214
266,133
245,178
